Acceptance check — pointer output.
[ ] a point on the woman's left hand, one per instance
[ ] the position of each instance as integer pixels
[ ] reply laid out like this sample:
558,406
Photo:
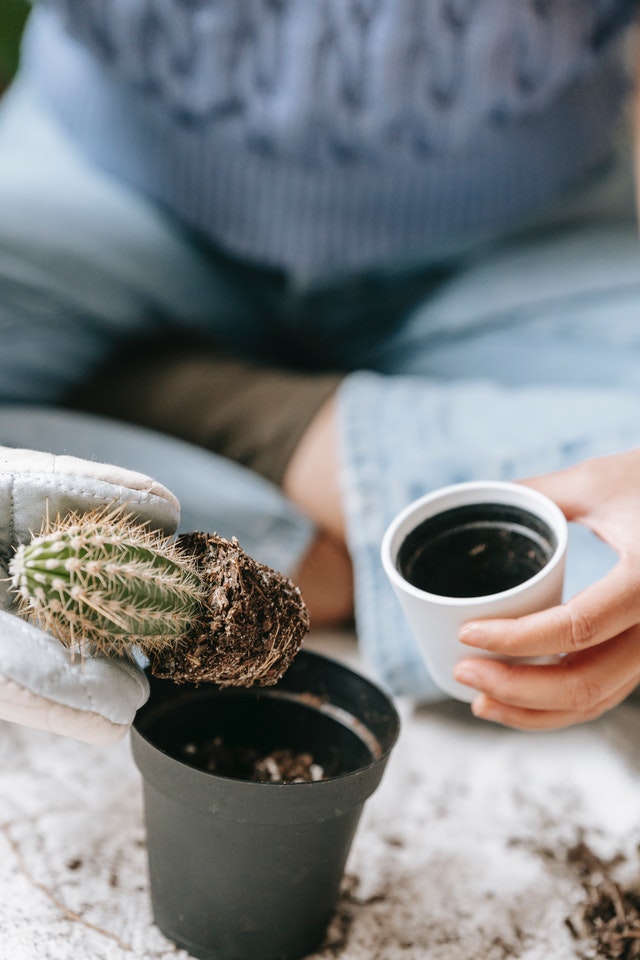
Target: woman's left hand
597,632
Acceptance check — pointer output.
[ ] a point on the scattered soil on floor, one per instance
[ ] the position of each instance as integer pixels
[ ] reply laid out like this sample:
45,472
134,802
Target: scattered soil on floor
609,917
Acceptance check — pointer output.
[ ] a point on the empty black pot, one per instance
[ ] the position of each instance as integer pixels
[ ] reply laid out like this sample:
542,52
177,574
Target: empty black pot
243,870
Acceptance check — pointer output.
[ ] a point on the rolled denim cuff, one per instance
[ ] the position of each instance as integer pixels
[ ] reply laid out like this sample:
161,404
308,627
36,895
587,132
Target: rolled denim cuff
373,492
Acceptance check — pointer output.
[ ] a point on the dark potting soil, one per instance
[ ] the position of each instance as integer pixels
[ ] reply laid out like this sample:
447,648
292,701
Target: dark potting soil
475,550
255,624
246,763
609,917
605,922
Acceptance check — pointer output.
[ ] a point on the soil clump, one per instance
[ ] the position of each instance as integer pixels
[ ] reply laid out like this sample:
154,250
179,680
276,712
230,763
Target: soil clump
254,626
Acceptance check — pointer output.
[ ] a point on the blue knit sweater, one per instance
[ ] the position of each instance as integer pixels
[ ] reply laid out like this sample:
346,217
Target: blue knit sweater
322,134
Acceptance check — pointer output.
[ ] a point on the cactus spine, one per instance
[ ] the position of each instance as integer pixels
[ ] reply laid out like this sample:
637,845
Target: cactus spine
101,582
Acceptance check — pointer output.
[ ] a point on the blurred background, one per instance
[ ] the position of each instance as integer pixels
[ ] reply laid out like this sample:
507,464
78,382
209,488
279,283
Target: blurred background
13,14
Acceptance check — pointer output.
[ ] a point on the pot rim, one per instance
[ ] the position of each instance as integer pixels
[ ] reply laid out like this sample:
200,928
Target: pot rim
168,768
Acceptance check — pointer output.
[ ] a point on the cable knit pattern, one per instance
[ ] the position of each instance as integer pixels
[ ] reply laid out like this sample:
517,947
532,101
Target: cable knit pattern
219,97
346,76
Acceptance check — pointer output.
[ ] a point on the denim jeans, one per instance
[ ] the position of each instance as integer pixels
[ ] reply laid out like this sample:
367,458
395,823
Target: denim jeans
512,356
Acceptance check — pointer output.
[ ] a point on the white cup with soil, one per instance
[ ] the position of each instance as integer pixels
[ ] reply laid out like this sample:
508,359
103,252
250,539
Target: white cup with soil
252,799
474,550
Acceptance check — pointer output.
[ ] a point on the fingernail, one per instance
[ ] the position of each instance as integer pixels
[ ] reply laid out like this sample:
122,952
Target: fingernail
471,634
466,674
483,711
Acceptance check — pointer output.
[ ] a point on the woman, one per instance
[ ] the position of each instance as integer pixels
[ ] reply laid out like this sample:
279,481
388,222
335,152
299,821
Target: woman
367,249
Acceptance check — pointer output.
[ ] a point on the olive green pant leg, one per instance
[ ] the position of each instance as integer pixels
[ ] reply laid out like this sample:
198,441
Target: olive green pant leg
251,414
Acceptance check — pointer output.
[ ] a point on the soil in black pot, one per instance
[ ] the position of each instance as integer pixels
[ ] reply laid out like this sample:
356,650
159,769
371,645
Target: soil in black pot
271,735
280,765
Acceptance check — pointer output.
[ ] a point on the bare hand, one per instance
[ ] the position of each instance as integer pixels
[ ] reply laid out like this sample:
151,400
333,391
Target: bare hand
597,632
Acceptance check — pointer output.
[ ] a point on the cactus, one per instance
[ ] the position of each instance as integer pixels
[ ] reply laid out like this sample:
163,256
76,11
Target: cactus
101,582
198,608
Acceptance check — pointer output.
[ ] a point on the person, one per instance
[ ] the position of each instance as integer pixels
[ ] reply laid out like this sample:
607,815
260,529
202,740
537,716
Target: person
364,249
596,631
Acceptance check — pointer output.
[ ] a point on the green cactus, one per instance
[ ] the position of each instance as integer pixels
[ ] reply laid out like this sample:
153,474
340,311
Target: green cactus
198,608
101,582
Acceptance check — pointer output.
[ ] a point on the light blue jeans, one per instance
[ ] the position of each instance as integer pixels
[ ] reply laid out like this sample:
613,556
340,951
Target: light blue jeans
518,355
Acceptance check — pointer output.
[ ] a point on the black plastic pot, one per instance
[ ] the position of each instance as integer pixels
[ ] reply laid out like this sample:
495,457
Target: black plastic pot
243,870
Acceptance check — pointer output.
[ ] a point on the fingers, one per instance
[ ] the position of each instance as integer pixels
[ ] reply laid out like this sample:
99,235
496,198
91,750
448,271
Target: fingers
596,632
562,488
586,485
578,688
521,718
538,720
605,609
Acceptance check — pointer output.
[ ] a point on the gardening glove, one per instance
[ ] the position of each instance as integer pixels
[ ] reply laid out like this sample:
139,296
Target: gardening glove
42,684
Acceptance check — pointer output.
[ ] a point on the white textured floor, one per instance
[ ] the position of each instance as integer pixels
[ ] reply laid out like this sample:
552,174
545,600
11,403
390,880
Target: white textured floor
459,856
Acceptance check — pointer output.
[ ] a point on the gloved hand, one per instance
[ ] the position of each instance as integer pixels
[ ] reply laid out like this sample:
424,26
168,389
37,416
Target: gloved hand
41,684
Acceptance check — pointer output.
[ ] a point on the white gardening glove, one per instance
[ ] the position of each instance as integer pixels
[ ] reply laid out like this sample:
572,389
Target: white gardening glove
41,685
